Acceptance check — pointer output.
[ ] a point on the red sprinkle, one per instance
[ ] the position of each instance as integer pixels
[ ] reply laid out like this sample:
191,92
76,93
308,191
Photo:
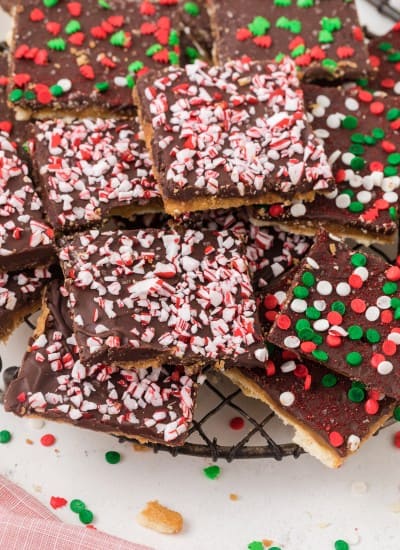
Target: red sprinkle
283,322
396,440
336,439
358,305
47,440
355,281
371,406
57,502
393,273
236,423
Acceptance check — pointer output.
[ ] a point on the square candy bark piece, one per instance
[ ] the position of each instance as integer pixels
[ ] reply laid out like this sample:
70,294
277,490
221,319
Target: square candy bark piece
342,311
91,169
323,37
149,405
384,55
20,295
141,298
85,57
229,136
332,416
25,239
361,136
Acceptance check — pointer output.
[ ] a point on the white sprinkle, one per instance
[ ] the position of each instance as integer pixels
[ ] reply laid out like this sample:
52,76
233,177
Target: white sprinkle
298,210
347,158
343,200
383,302
364,197
320,305
396,88
312,263
333,121
36,423
351,104
394,337
288,366
362,272
353,442
391,197
372,313
261,354
291,342
298,306
323,100
324,288
343,289
120,81
286,398
321,325
385,367
65,84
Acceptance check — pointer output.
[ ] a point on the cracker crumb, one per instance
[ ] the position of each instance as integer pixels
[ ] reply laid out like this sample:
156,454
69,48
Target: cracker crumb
140,448
233,496
161,519
267,542
29,441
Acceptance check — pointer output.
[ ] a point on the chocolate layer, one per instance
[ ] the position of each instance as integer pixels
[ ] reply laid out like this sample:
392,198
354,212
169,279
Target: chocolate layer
154,404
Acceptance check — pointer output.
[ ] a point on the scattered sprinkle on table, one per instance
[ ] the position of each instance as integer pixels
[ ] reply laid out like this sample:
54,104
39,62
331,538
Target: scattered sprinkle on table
77,505
236,423
5,436
47,440
57,502
255,545
234,497
86,516
341,545
212,472
396,439
113,457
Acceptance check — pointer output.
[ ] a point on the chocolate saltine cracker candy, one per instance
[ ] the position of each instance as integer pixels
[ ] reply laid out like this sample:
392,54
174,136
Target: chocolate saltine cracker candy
323,37
17,130
90,169
384,56
342,311
230,136
148,405
83,58
142,298
20,295
361,136
269,251
25,239
332,415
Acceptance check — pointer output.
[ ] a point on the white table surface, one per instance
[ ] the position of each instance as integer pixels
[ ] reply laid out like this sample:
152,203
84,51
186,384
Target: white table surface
298,504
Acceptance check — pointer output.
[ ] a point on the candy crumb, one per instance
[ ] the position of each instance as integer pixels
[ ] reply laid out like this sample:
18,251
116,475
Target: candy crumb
212,472
157,517
233,496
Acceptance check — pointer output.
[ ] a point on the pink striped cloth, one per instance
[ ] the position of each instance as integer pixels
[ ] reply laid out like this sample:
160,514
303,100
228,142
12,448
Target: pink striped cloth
25,524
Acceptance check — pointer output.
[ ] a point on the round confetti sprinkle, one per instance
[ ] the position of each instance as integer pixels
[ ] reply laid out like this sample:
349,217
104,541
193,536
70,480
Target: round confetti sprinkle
385,367
86,516
255,545
371,406
396,413
341,545
336,439
356,395
236,423
329,380
212,472
320,355
5,436
113,457
354,358
47,440
287,399
77,505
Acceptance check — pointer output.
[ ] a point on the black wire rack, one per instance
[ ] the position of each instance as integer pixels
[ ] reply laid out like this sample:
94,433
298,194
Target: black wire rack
220,400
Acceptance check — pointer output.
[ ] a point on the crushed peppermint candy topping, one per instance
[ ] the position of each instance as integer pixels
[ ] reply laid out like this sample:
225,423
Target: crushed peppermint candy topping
184,295
88,167
18,289
360,133
154,404
22,226
233,132
349,320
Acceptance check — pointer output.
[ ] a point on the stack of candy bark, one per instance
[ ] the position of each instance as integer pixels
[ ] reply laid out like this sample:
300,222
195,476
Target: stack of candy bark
165,168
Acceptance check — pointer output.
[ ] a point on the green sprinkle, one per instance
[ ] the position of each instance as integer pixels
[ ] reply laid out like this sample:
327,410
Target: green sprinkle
298,51
77,505
192,53
385,46
56,90
191,8
283,3
350,122
329,380
357,149
102,86
341,545
306,334
259,26
396,413
397,314
331,24
390,287
354,358
104,4
5,436
57,44
29,95
72,26
320,355
355,332
279,56
112,457
356,395
16,95
130,81
356,207
390,171
329,64
339,307
359,259
212,472
317,339
325,37
283,23
305,3
394,159
357,138
377,133
373,336
155,48
135,66
173,39
50,3
313,313
173,58
308,279
357,163
86,516
393,114
395,303
301,292
369,140
348,192
295,26
302,323
118,39
255,545
394,57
